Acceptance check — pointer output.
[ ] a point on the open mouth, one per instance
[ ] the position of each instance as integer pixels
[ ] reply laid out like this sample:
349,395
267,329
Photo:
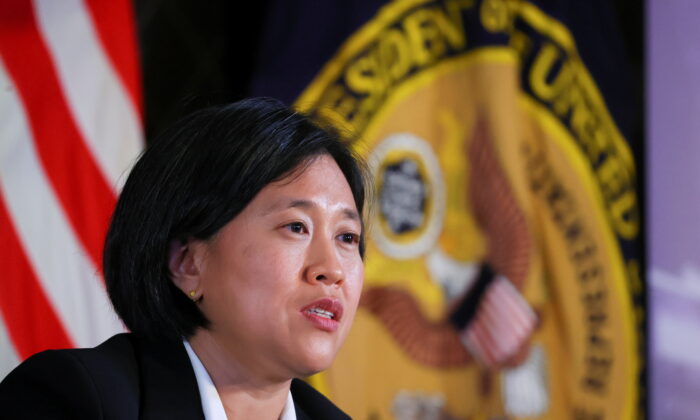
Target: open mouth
324,313
320,312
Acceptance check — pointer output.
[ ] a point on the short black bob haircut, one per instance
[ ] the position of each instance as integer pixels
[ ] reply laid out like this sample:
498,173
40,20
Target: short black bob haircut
190,182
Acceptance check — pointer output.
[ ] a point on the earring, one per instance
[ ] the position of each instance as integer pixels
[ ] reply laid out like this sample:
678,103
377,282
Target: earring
193,293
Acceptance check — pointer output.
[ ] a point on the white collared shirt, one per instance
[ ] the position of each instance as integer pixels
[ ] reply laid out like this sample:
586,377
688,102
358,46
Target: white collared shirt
212,406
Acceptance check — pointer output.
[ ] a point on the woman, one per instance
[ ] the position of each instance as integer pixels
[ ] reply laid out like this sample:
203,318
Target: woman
234,257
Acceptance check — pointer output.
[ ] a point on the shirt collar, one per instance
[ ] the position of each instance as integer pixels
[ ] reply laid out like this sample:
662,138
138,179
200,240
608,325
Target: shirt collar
212,406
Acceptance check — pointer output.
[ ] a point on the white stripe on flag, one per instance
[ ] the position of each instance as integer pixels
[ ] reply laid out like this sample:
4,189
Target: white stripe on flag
8,355
71,283
524,318
105,116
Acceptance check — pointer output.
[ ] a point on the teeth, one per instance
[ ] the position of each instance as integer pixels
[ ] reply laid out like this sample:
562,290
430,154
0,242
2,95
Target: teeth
321,313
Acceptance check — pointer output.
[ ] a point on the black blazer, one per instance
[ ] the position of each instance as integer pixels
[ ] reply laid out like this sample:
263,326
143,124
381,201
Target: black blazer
126,377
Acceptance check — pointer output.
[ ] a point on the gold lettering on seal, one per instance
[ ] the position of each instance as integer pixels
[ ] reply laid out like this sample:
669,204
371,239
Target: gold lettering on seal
394,54
542,67
555,79
402,48
586,262
496,15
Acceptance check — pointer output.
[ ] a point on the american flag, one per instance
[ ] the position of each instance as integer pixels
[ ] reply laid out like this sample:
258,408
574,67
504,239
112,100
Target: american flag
502,325
70,128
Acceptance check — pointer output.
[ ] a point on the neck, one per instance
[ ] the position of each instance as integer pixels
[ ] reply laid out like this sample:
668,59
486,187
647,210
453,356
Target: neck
244,394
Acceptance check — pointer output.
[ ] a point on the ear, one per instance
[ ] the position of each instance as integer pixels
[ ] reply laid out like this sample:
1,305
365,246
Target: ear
183,265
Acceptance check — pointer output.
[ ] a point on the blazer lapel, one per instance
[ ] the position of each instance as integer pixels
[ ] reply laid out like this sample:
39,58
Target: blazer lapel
169,386
310,404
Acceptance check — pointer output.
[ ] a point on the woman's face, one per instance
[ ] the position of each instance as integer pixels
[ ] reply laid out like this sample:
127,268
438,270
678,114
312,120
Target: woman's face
280,283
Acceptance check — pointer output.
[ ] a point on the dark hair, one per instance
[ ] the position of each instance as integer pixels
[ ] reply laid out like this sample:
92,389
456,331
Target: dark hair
190,182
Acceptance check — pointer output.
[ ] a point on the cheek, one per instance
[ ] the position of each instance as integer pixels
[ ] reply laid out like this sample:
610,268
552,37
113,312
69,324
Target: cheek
270,267
354,282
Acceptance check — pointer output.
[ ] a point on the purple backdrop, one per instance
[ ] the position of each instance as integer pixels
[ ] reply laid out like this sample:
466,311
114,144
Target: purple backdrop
673,165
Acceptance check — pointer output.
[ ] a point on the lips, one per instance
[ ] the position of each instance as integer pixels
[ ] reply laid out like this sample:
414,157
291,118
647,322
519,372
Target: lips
325,314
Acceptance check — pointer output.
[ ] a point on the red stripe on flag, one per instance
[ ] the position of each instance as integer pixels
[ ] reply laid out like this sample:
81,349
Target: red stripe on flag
484,340
31,322
114,22
85,195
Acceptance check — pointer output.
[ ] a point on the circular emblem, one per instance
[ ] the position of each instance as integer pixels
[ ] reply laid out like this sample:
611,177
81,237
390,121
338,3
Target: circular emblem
411,194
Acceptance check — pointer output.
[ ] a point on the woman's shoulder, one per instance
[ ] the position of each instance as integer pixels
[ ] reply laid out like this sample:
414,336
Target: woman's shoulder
73,383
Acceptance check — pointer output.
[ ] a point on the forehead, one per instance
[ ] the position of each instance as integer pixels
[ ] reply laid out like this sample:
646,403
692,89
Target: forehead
318,182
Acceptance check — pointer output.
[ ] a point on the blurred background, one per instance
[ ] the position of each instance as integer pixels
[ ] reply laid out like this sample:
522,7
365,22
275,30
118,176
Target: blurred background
531,251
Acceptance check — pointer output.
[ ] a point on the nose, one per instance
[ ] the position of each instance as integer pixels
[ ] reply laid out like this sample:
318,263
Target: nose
323,263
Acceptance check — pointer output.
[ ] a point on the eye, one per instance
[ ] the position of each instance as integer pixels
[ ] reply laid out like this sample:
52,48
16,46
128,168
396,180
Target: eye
349,238
296,227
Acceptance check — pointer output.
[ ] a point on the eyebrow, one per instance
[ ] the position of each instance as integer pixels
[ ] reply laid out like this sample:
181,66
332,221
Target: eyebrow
306,204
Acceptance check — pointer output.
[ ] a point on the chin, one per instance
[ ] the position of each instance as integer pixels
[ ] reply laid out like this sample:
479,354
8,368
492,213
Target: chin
316,359
310,371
